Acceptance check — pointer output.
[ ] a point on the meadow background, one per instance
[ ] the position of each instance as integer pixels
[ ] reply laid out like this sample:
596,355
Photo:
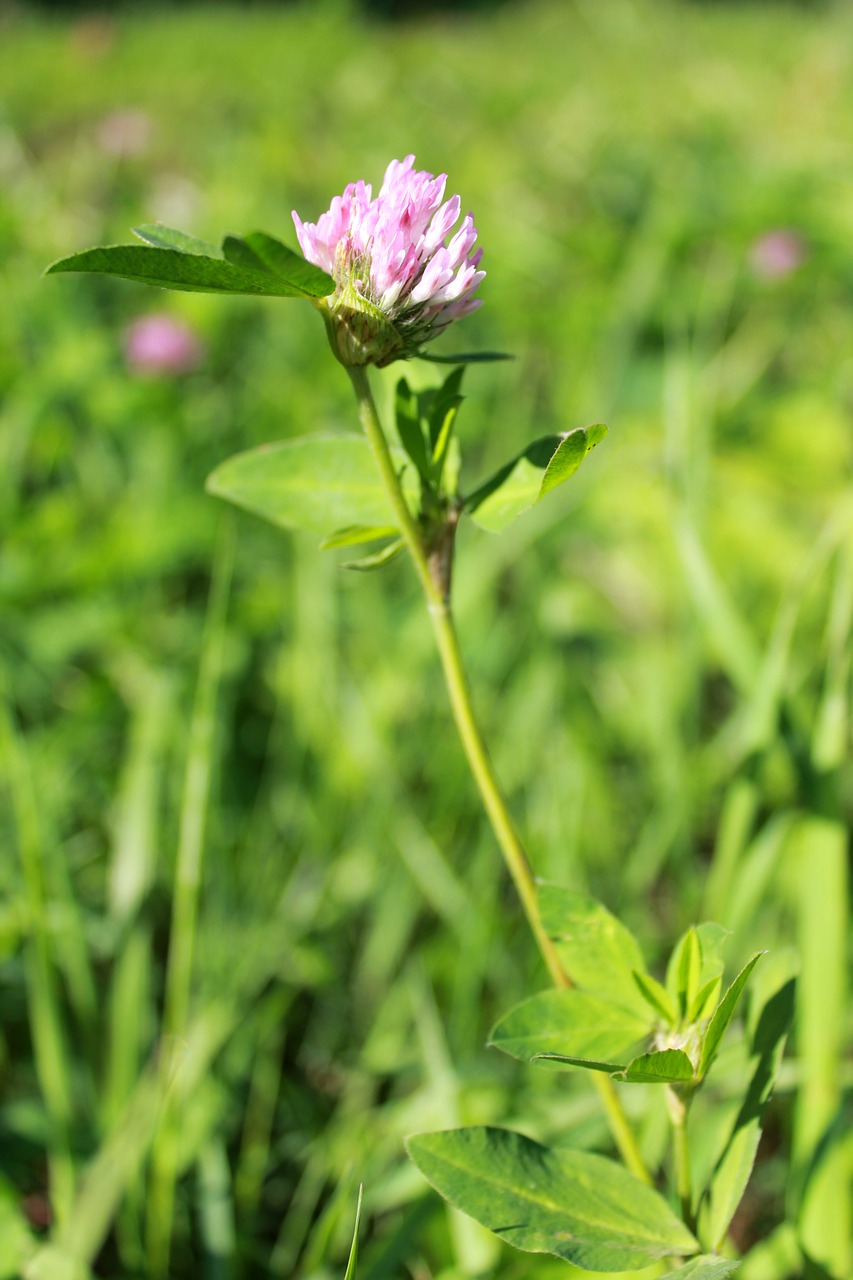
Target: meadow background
660,652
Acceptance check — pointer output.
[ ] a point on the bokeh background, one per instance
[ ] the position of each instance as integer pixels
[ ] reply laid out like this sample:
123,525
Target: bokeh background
664,193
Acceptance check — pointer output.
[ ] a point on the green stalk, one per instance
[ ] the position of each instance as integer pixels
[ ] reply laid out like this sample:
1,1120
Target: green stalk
474,745
678,1107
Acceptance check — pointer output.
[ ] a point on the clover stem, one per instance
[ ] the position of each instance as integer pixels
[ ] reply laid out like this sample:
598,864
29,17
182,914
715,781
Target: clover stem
678,1106
435,587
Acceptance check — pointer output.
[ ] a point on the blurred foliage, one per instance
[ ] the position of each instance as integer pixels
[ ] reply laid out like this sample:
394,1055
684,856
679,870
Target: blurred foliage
356,939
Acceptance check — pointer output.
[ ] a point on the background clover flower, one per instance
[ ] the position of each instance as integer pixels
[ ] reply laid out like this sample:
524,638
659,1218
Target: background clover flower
400,281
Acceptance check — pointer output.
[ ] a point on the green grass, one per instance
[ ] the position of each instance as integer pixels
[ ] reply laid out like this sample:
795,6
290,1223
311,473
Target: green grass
660,655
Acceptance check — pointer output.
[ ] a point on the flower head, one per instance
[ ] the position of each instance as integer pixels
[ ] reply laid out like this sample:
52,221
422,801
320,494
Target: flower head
160,344
777,254
400,276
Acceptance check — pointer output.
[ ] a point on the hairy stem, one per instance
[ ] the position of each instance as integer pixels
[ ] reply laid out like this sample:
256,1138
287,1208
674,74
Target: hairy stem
473,743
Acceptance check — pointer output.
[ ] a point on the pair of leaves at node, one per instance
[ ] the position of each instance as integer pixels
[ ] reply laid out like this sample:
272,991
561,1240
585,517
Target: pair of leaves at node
617,1005
329,484
256,264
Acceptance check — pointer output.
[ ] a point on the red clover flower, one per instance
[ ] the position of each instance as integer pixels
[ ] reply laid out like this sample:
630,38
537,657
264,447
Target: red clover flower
399,282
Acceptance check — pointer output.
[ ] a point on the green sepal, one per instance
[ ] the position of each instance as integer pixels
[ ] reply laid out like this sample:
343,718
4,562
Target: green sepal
583,1208
524,481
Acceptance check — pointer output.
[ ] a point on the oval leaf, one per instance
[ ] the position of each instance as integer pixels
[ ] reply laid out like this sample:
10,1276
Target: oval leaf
573,1025
599,953
708,1267
262,252
580,1207
318,483
668,1066
520,484
161,237
177,269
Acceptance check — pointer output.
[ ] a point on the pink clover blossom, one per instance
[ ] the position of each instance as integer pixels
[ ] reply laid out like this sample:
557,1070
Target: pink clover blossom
399,282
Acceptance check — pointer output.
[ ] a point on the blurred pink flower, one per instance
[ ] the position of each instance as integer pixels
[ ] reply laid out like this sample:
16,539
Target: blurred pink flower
776,254
124,133
399,281
161,344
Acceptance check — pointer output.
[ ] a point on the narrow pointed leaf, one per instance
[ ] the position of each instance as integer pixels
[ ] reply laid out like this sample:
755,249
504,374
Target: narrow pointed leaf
356,534
724,1014
378,559
521,483
705,1000
160,237
352,1264
731,1174
684,970
669,1066
599,953
572,1024
318,483
464,357
410,428
708,1267
580,1207
656,996
176,269
570,454
712,942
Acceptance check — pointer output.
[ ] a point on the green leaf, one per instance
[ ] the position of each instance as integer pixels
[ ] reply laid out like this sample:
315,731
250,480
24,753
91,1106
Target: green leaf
708,1267
712,942
599,953
352,1264
160,237
705,1000
656,996
570,454
580,1207
188,272
731,1174
355,535
684,970
378,559
571,1024
668,1066
409,428
724,1014
262,252
464,357
524,481
318,483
